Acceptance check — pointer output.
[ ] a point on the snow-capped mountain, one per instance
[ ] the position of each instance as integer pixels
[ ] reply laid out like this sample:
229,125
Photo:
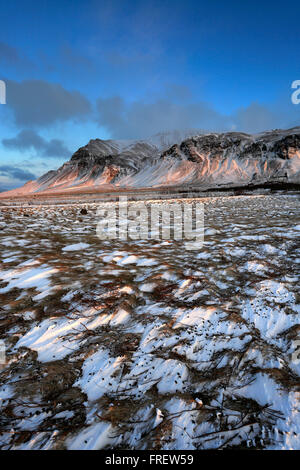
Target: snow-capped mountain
204,161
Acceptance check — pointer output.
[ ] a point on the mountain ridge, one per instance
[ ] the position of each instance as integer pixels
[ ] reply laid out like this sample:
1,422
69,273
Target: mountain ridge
206,160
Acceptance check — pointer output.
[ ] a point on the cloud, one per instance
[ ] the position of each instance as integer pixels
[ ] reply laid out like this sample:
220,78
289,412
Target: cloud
70,57
29,139
255,118
8,53
10,56
40,103
140,119
16,173
177,92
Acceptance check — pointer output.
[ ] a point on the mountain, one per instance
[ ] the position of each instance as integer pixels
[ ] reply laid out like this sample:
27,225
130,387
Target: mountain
203,161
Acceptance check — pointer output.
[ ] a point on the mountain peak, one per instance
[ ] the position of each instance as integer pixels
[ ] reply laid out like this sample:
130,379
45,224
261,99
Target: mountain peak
202,161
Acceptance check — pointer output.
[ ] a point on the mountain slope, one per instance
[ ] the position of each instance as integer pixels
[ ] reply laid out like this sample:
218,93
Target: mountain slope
204,161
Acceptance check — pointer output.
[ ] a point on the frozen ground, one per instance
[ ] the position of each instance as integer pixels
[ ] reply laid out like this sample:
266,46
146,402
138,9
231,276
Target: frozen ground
145,345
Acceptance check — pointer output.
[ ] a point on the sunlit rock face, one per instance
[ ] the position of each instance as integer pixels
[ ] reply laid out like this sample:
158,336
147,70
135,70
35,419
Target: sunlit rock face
203,161
237,159
100,163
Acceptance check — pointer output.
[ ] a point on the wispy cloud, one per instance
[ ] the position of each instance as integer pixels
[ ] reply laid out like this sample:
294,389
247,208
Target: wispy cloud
10,56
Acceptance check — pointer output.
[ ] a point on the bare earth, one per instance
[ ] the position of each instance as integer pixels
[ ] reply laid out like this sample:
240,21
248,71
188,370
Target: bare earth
144,344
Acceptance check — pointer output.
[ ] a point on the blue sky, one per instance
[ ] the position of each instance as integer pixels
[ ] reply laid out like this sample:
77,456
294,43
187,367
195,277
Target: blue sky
77,70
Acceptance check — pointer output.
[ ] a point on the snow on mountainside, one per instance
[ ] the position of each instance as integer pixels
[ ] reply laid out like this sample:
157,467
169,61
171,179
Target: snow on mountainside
204,161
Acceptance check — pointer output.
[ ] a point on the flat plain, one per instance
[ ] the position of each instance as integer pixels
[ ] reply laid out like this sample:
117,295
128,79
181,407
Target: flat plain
143,344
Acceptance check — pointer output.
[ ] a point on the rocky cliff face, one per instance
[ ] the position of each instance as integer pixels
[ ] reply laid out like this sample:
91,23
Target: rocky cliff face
202,161
100,163
233,159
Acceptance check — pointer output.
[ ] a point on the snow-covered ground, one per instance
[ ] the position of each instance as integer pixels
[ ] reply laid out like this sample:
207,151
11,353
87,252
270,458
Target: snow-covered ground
144,344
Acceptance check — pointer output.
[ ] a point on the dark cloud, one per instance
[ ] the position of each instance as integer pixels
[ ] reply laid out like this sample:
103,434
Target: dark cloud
141,119
40,103
256,118
30,140
10,55
16,173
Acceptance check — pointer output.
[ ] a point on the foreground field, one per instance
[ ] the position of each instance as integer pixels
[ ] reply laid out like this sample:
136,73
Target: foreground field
144,344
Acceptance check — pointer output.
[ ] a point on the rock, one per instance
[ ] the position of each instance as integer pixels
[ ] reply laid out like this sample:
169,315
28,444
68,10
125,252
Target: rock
204,161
